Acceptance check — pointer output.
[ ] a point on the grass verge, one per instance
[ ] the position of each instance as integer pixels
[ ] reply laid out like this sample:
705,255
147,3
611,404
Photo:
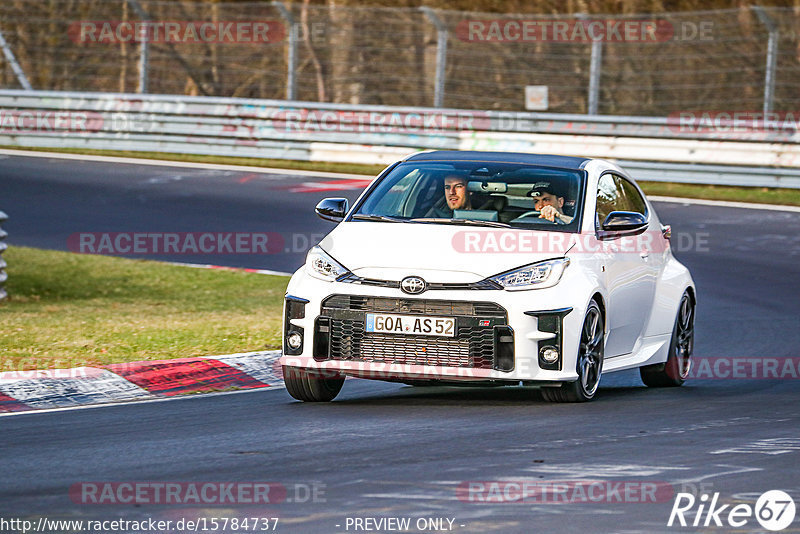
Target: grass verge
67,310
756,195
762,195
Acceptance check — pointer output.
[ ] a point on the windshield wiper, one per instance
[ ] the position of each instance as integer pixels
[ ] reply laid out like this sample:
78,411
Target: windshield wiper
370,217
472,222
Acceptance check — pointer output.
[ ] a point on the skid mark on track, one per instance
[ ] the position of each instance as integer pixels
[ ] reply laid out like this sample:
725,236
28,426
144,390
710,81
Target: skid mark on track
731,470
613,438
155,180
581,471
770,446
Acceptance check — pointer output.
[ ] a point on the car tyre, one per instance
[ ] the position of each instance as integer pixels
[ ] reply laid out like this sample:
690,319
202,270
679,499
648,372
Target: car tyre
309,386
589,363
675,371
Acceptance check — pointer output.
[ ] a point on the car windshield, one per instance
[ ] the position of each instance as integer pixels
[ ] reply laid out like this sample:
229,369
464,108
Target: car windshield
477,193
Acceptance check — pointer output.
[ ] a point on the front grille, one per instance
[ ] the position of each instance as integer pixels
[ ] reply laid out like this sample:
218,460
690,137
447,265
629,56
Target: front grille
413,306
351,278
472,346
383,348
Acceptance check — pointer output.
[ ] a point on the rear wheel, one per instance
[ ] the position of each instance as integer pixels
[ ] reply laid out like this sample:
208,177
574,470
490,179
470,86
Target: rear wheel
589,365
311,386
676,369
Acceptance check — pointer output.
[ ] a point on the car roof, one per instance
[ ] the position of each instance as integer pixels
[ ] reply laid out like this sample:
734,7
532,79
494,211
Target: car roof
545,160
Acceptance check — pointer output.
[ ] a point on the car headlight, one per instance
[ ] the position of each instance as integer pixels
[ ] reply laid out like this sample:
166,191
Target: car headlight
320,265
534,276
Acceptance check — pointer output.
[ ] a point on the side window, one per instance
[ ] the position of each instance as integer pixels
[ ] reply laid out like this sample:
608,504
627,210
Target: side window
607,197
392,201
629,196
425,193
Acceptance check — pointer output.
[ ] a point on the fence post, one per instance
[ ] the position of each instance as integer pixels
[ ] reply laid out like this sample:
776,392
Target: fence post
595,68
144,49
291,61
3,246
12,60
441,55
772,57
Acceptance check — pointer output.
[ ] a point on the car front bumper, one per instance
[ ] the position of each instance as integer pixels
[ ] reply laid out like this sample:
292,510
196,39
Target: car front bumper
500,335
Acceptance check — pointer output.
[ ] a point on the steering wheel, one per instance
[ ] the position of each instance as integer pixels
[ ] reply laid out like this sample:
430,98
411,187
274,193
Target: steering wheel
536,214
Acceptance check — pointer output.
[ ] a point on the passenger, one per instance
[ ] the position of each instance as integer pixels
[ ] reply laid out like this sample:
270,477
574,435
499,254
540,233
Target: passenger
549,202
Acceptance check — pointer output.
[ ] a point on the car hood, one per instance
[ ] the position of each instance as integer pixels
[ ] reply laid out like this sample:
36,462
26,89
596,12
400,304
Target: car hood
438,252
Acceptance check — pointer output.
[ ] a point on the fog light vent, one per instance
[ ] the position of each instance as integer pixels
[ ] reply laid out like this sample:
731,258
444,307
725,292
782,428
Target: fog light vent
322,338
503,348
550,321
294,308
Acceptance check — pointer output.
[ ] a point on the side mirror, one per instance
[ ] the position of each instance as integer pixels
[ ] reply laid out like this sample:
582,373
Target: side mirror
620,223
332,209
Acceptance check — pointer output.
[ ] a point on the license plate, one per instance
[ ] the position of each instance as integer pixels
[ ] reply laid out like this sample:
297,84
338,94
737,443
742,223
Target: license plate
415,325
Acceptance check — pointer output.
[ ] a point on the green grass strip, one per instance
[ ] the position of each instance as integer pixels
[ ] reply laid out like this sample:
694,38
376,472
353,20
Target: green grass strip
67,310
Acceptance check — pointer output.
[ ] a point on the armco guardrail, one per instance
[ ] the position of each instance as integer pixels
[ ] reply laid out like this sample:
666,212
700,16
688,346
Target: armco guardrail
3,246
381,134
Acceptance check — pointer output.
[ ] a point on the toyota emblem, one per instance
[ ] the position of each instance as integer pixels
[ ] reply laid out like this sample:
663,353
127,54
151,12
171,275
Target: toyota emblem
413,285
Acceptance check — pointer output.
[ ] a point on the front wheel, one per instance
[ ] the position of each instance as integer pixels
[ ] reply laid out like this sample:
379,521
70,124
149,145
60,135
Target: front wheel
676,370
590,362
310,386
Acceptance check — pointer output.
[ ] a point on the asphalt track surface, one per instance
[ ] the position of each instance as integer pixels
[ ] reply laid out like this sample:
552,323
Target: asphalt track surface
390,451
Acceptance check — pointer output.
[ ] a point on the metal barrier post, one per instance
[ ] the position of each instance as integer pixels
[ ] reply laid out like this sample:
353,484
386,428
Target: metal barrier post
291,60
12,60
772,57
595,68
144,50
3,246
441,55
594,76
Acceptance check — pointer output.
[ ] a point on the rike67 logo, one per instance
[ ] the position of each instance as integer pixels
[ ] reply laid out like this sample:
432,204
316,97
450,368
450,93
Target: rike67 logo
774,510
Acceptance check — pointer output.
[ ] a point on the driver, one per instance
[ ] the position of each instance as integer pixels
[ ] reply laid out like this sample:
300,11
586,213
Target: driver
549,202
456,196
456,193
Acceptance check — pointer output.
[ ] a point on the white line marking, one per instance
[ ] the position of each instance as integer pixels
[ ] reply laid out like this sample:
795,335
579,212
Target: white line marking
143,401
182,164
224,268
724,203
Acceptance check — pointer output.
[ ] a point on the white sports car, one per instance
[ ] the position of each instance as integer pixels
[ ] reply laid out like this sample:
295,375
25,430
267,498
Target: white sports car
490,268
